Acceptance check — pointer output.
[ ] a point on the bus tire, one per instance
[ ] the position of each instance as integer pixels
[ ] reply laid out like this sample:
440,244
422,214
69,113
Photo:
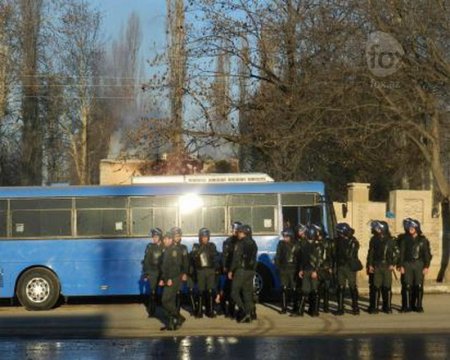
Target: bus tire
38,289
263,283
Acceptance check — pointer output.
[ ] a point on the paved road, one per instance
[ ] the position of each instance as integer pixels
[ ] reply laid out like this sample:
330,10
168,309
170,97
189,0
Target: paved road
379,347
130,321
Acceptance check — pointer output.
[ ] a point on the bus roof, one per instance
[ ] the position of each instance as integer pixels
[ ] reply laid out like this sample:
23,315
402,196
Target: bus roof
169,189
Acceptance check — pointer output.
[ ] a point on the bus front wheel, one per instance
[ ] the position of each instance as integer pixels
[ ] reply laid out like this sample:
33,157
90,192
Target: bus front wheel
38,289
262,283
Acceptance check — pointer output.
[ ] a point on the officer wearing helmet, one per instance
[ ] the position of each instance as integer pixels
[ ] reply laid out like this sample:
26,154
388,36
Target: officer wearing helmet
204,256
300,232
405,295
327,265
171,270
227,256
309,265
242,271
151,267
348,264
286,261
415,259
381,259
185,262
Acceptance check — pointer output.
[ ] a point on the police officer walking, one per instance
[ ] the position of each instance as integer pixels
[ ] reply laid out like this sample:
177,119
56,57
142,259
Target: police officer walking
242,272
227,256
415,259
152,268
171,272
310,259
381,259
286,261
348,264
204,255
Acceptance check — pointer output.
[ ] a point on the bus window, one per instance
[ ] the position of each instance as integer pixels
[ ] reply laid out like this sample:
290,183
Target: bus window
214,220
263,219
150,212
101,216
3,217
41,217
242,214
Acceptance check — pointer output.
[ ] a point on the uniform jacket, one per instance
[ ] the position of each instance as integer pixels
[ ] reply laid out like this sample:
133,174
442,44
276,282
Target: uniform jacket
152,258
413,249
244,255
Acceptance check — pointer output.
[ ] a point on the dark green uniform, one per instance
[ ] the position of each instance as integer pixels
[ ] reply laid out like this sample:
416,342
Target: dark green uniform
205,263
415,256
346,256
382,257
152,272
227,256
243,268
186,268
171,269
311,253
286,261
326,270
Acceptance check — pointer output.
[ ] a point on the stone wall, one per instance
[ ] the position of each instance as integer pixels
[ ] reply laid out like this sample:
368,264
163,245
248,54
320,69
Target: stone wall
416,204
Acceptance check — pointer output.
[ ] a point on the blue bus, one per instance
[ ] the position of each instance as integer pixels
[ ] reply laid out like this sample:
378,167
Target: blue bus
90,240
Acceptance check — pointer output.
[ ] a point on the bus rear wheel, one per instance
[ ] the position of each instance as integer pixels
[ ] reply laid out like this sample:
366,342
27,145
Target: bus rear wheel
38,289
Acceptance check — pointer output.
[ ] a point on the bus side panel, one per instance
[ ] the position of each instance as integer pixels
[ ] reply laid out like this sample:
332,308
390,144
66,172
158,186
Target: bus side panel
83,266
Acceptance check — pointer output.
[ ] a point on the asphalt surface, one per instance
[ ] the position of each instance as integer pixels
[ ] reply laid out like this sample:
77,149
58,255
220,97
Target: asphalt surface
129,320
99,331
378,347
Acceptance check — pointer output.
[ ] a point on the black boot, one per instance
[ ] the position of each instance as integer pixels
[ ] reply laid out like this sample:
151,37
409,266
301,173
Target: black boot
231,309
178,301
199,313
374,300
413,298
193,302
151,305
419,292
301,305
283,301
340,300
210,304
355,304
295,304
326,300
406,299
315,303
387,299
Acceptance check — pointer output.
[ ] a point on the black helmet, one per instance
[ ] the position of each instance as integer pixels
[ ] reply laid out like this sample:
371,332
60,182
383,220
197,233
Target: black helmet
176,231
415,224
311,232
378,226
156,231
287,232
344,229
407,223
300,228
204,232
320,230
235,225
246,229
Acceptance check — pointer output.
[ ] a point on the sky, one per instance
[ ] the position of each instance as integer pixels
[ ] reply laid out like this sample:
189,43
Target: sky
153,20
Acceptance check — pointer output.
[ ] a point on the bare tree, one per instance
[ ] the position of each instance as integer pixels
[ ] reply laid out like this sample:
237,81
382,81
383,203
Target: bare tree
30,26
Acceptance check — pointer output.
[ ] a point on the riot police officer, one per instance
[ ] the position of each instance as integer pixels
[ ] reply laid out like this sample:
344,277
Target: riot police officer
171,272
185,266
310,258
348,264
286,261
327,265
404,293
300,232
415,259
242,271
381,259
152,268
227,256
204,255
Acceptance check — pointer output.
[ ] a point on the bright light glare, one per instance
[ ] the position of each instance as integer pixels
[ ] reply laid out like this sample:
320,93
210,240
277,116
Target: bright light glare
189,203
